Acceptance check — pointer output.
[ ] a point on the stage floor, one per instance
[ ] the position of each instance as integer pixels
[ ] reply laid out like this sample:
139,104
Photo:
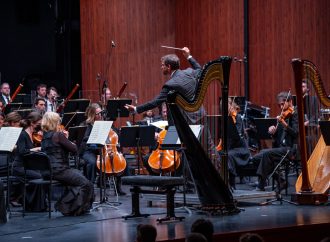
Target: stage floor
107,224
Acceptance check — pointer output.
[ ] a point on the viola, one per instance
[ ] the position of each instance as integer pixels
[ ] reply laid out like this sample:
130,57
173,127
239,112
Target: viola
114,161
162,161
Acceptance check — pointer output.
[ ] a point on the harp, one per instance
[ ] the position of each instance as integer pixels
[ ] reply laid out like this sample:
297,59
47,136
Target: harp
313,183
212,189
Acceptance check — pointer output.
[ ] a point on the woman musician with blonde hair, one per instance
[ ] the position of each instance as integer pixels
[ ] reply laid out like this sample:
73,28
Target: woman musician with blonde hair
56,145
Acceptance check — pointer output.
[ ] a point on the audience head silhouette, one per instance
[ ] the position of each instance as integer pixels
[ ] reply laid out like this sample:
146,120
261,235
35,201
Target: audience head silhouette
251,237
196,237
146,233
204,227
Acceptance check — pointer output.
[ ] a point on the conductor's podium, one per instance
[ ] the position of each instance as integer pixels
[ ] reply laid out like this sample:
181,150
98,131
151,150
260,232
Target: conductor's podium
166,185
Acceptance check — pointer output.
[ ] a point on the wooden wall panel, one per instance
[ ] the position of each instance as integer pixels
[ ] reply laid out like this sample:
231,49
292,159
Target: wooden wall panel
279,31
138,28
212,29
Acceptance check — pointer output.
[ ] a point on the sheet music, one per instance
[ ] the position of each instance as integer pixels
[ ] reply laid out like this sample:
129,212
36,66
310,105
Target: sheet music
172,137
100,132
196,129
160,124
9,137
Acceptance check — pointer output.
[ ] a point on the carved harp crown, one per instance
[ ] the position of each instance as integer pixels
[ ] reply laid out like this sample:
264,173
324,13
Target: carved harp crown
214,70
311,73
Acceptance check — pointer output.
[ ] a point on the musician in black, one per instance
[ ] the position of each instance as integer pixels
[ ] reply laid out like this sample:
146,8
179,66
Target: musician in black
5,94
35,196
89,154
238,151
56,145
284,137
39,106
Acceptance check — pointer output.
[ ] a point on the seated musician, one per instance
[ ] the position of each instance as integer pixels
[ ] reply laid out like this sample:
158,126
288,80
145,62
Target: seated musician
311,116
238,152
42,91
285,136
51,101
40,105
5,93
35,197
106,95
57,146
12,119
90,154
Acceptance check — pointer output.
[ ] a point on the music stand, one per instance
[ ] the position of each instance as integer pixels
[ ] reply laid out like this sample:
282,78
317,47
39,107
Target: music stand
10,107
116,108
325,130
97,139
137,136
76,105
24,112
76,135
262,125
172,142
73,119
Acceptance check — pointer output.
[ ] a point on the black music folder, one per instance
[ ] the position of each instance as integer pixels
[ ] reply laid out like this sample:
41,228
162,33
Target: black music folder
172,141
325,130
116,108
262,125
76,105
73,119
137,136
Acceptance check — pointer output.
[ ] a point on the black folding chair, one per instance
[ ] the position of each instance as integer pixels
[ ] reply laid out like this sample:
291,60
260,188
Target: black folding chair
39,161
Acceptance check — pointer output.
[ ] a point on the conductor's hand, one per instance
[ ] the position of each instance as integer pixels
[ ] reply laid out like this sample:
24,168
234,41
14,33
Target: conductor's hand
272,129
130,108
186,52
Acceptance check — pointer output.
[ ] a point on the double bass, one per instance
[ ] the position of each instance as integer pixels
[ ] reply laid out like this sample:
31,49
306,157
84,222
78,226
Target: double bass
163,161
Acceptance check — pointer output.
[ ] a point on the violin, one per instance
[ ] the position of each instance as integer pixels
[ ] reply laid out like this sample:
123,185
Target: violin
114,161
287,113
162,161
37,138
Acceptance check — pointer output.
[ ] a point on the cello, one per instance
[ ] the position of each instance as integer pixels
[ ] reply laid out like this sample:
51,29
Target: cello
162,161
114,161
